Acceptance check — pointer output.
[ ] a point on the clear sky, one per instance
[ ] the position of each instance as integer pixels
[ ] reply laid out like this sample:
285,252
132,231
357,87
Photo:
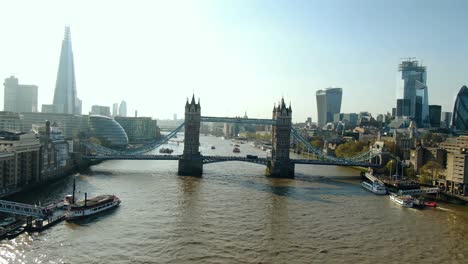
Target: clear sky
236,55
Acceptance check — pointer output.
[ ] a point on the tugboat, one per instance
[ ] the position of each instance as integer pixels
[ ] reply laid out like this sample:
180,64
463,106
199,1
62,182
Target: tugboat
213,147
88,207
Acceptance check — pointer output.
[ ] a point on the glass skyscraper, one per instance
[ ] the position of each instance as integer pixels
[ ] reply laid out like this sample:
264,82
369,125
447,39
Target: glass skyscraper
65,98
412,96
328,104
460,110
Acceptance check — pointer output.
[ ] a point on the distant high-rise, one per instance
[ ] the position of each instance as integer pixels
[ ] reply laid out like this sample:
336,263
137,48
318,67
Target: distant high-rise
446,119
328,104
19,97
65,98
123,109
100,110
435,112
460,110
412,96
115,109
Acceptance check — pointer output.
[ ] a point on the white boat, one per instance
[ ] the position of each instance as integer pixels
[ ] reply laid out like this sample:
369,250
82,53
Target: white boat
376,187
403,200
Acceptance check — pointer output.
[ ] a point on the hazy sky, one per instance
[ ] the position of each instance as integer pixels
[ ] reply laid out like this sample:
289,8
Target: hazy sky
236,55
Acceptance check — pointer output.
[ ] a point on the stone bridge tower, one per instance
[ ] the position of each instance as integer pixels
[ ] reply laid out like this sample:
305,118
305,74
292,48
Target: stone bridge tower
191,162
280,165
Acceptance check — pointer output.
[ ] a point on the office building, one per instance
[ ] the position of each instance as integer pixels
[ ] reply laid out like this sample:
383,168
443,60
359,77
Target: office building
139,129
412,97
403,107
123,109
19,97
328,104
456,176
100,110
460,110
446,119
10,121
25,147
71,125
435,112
108,131
115,109
65,97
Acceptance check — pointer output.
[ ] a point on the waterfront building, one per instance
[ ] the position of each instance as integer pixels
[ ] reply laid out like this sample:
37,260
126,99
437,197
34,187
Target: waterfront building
328,104
10,121
65,97
7,173
26,150
115,109
19,97
139,129
456,175
55,150
412,94
71,125
435,112
107,131
123,109
100,110
460,110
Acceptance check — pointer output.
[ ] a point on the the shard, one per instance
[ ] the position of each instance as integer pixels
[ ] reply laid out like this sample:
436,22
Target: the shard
65,99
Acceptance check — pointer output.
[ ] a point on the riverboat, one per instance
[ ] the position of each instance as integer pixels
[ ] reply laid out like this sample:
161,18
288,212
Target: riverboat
375,187
88,207
213,147
403,200
92,206
236,150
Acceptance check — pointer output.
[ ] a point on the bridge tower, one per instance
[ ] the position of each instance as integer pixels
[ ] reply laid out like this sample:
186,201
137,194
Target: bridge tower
280,165
191,162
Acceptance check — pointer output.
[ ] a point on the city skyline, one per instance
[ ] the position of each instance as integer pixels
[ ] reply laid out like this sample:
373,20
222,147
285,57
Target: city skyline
239,51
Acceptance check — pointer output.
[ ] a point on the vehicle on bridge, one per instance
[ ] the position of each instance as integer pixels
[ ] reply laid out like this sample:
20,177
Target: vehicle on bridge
252,157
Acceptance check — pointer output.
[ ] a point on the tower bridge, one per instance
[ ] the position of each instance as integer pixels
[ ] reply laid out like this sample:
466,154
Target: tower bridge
191,161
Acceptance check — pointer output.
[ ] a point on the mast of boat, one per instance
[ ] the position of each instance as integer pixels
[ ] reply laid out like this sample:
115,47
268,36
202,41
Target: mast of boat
85,197
73,197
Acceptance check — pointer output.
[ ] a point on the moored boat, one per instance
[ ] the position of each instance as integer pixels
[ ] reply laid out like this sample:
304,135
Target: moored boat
403,200
91,206
375,187
430,204
88,207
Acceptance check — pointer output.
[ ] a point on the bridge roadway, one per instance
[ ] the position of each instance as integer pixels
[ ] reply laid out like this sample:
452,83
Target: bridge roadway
214,159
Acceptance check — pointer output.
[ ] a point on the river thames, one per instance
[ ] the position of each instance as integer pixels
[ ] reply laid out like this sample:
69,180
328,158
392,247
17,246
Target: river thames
234,214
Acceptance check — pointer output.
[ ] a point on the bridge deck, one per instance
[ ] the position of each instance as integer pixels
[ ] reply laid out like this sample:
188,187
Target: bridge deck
214,159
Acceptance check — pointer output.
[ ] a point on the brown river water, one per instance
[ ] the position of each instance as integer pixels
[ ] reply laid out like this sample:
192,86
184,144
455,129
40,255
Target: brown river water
234,214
